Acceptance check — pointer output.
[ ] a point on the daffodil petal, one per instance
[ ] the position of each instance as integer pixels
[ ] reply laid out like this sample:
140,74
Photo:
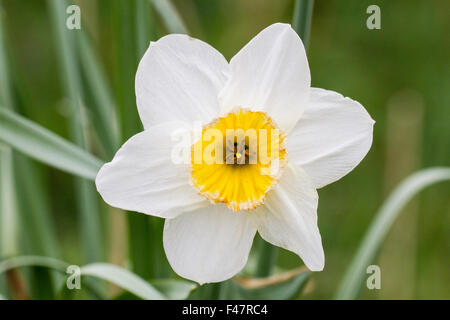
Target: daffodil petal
288,218
143,177
270,74
210,244
179,78
332,137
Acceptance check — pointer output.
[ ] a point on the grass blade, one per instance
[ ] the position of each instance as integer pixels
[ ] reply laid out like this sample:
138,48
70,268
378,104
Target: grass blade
91,231
33,200
124,279
301,22
170,16
103,105
267,258
8,206
174,289
288,285
5,85
145,26
32,261
384,219
37,225
139,235
37,231
126,65
105,271
45,146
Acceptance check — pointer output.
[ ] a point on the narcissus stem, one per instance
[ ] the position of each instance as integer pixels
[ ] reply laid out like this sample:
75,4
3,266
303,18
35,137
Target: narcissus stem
301,22
268,255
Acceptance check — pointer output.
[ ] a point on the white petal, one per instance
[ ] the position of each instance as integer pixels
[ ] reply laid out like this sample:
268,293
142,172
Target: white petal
270,74
288,218
208,245
332,137
179,78
143,177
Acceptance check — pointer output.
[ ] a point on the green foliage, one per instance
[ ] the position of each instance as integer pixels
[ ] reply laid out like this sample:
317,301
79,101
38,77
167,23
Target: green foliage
158,290
41,144
290,289
384,219
170,16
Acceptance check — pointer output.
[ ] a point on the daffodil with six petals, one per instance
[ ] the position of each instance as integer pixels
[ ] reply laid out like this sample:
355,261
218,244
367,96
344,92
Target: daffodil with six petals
213,209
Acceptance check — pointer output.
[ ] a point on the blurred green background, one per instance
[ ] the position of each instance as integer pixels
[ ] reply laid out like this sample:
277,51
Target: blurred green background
401,74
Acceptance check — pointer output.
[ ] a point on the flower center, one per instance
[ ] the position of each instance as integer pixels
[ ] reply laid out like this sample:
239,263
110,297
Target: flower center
238,153
238,159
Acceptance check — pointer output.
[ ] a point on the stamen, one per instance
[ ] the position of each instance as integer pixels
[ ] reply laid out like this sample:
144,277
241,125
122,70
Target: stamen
237,181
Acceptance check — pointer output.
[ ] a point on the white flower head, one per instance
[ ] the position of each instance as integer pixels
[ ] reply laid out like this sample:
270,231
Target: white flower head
214,208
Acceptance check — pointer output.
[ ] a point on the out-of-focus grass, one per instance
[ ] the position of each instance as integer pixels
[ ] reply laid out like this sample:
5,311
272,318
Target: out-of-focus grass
410,52
85,194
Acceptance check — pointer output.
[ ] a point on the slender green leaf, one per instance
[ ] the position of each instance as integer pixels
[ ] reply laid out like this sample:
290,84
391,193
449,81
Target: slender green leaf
43,235
69,70
36,231
8,207
174,289
139,235
33,202
89,215
32,261
288,285
301,22
145,26
5,85
268,255
139,246
126,65
124,279
160,267
103,105
383,221
121,277
282,291
45,146
64,293
171,18
209,291
9,227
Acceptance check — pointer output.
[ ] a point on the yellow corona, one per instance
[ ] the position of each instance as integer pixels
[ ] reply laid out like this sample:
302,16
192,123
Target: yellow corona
238,159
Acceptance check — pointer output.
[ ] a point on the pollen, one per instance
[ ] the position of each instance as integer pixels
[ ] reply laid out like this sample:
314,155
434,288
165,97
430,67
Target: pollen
238,159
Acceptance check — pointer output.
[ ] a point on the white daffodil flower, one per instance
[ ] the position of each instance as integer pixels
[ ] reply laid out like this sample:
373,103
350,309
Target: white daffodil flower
213,209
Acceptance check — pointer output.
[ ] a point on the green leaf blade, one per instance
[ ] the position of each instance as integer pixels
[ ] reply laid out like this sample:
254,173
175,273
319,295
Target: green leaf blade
45,146
383,221
124,279
284,290
174,289
170,16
